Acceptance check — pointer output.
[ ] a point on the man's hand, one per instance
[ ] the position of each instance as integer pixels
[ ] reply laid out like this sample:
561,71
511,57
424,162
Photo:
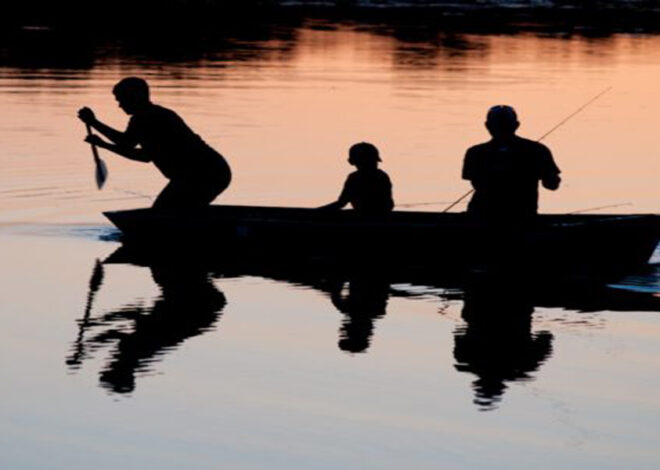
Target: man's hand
95,140
86,115
551,182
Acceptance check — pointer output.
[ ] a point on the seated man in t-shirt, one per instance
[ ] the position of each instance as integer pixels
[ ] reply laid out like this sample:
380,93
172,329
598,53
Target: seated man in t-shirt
368,189
197,174
506,170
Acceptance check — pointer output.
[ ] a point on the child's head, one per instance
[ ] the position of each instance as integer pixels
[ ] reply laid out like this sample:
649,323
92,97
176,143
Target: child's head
363,155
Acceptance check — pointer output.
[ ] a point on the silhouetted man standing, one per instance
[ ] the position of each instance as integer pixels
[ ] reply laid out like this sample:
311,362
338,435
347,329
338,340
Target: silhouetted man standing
197,173
505,171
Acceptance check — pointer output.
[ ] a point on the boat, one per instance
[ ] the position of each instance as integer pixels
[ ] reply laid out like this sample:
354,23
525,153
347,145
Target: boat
598,243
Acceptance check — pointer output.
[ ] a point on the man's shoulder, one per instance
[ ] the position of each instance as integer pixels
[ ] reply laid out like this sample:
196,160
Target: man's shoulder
155,112
158,110
479,149
531,145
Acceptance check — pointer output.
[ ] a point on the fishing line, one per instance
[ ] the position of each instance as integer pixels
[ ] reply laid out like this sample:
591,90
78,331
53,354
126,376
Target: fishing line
136,194
601,207
416,204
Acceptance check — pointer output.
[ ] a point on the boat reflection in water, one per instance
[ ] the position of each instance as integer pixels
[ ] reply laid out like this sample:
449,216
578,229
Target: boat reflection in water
497,342
189,305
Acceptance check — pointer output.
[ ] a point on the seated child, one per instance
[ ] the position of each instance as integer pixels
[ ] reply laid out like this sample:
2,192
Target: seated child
368,189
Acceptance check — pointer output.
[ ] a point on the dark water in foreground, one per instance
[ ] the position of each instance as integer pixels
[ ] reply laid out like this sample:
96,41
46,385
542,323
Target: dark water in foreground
175,367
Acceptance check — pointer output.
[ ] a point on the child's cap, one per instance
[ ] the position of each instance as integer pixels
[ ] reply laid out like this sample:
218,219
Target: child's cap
363,152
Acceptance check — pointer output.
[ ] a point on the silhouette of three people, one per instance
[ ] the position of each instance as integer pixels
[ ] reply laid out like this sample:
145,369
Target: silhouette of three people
504,171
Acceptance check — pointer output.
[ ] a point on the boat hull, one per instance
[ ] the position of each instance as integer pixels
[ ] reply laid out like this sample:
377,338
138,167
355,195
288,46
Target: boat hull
604,243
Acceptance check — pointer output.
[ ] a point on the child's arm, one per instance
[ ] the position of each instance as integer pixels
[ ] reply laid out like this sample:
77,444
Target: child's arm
338,204
344,198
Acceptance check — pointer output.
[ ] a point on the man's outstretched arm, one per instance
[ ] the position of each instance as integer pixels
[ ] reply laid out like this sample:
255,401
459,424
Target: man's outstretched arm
87,116
550,178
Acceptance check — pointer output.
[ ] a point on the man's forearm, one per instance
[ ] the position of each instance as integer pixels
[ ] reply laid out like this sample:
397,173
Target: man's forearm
126,152
112,134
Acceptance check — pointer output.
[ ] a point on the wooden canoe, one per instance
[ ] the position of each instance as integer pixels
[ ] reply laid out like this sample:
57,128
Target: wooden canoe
599,242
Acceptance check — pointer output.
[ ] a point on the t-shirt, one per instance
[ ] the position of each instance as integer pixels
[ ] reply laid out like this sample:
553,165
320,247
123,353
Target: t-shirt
506,176
368,191
172,146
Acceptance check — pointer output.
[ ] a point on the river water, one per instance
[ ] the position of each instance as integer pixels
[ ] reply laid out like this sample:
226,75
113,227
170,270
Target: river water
119,364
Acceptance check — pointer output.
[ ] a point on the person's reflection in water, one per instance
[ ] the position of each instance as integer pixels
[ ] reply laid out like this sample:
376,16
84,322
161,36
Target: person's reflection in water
497,344
364,301
189,305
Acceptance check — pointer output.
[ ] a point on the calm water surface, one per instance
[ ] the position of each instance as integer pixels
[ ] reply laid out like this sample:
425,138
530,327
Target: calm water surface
171,367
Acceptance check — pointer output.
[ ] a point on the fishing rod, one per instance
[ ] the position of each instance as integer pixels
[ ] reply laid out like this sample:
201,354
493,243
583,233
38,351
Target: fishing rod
135,194
601,207
557,126
416,204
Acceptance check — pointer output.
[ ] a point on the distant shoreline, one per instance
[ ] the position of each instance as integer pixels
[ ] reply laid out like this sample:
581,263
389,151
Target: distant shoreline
636,16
